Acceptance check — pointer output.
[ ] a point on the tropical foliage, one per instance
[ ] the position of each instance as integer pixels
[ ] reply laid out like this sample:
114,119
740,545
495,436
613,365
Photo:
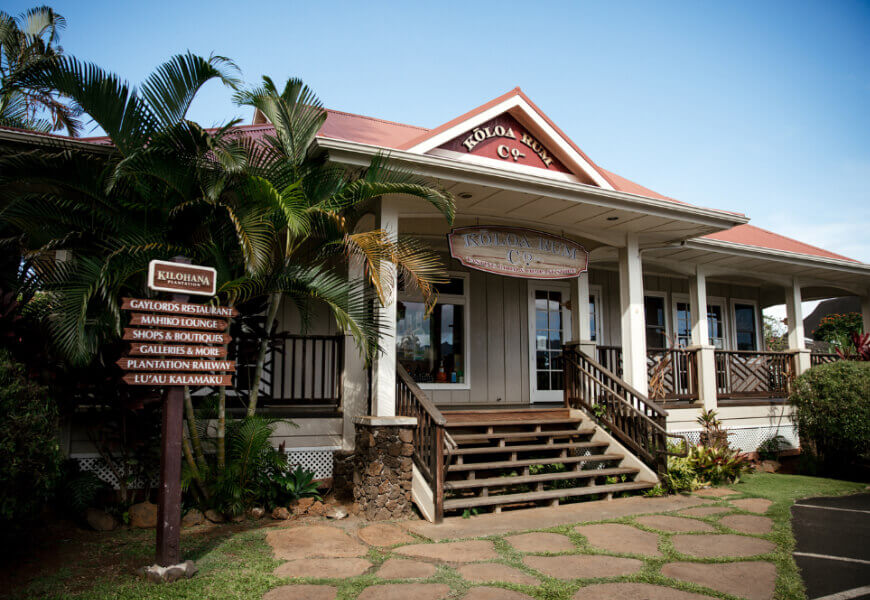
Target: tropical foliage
717,464
26,41
837,328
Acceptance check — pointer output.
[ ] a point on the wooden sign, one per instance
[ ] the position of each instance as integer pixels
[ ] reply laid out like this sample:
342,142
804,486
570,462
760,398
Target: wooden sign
184,336
177,321
181,278
175,364
178,379
517,252
140,349
178,308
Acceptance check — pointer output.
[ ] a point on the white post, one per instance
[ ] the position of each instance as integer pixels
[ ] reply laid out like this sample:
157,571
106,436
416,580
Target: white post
633,321
580,328
384,371
706,362
355,390
795,319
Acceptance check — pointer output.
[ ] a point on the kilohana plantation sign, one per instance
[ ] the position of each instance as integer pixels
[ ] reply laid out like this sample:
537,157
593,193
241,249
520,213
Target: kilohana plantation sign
517,252
195,359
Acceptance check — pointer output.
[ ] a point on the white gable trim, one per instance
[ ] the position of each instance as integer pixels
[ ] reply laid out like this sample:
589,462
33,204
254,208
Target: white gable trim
574,158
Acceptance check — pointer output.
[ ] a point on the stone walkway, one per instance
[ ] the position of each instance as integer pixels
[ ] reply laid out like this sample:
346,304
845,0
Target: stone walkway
680,548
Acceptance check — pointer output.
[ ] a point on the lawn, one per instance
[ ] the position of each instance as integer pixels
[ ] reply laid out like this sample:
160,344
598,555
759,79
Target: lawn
235,561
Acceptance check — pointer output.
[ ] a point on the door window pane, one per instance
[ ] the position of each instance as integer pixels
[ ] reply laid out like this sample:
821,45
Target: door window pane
654,309
744,326
684,324
715,326
593,319
548,339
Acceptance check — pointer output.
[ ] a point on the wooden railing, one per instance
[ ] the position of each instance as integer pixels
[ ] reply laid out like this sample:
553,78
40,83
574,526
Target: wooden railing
823,358
430,437
299,370
672,372
747,374
633,419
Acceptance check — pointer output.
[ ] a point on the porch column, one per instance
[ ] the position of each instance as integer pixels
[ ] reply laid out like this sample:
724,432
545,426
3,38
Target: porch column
705,352
580,330
354,380
795,319
632,321
384,371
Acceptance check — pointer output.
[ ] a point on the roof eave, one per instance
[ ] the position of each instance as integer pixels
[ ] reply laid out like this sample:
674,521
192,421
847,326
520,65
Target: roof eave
358,154
38,139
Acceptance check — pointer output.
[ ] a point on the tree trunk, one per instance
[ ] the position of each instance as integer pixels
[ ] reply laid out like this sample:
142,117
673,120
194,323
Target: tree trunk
193,431
222,429
271,314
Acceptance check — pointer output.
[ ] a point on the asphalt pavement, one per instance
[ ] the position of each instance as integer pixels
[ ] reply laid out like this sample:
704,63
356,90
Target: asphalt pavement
833,546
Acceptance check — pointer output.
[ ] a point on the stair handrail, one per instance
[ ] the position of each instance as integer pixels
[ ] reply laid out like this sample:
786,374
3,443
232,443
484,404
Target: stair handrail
643,429
430,435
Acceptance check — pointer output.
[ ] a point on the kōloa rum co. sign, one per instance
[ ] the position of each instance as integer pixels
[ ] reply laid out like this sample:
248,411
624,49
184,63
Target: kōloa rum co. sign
517,252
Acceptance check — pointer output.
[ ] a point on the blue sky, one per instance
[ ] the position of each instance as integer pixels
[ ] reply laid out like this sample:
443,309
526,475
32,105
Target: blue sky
760,107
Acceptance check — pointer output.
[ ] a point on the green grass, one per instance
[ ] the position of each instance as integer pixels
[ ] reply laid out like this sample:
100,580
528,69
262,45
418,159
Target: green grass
235,561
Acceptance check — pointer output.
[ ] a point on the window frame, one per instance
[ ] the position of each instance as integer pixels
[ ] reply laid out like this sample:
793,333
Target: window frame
596,292
465,301
758,331
665,305
719,301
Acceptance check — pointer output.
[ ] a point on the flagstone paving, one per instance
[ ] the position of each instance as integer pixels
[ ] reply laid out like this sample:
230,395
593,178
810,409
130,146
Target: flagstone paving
634,591
721,545
324,568
623,539
404,568
493,593
756,505
384,534
714,492
674,524
405,591
458,552
583,566
302,592
747,523
541,542
339,552
484,572
313,541
753,580
705,511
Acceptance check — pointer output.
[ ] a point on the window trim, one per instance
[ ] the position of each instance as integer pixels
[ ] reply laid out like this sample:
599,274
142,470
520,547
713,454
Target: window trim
711,301
665,305
465,300
759,345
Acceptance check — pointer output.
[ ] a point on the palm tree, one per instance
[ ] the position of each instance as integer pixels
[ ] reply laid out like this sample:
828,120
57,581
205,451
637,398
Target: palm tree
31,39
319,206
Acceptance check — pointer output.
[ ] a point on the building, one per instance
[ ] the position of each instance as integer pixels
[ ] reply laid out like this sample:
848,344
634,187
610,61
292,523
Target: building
659,301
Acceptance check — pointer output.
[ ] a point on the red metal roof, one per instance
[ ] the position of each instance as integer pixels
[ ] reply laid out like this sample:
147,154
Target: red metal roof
750,235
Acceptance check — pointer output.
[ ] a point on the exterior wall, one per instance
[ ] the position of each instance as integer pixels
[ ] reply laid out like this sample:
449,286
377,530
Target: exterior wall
748,425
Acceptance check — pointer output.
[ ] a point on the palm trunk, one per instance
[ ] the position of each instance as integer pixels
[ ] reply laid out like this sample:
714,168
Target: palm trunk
271,314
222,429
195,441
197,475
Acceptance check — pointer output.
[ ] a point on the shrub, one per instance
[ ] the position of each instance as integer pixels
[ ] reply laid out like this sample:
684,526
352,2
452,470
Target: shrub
30,458
770,448
717,464
680,477
832,412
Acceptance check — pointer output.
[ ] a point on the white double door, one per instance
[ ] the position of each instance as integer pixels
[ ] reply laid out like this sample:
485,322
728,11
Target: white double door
549,324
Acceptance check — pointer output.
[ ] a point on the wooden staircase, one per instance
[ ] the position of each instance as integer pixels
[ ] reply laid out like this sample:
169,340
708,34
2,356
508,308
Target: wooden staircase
521,458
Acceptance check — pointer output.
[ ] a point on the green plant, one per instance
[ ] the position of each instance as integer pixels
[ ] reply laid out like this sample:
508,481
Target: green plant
470,512
716,464
770,448
295,484
832,411
78,490
833,328
680,476
30,457
713,433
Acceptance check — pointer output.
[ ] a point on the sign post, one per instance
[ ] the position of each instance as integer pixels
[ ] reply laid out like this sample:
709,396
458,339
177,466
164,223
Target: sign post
174,366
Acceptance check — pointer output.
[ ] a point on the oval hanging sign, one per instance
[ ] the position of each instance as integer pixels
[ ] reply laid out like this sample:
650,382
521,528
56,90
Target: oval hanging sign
517,252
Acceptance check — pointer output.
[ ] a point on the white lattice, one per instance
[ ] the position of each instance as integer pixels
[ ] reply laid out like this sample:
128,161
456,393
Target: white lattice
95,464
318,460
748,439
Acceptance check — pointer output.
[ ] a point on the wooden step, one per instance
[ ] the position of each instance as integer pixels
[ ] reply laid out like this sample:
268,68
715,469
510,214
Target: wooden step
611,488
466,484
513,435
514,422
526,448
523,415
526,462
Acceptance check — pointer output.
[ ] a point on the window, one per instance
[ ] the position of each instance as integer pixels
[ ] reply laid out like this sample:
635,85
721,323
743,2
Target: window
548,339
683,324
656,332
716,326
595,307
745,330
432,347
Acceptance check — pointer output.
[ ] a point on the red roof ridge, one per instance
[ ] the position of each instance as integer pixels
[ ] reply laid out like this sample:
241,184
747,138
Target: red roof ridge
750,229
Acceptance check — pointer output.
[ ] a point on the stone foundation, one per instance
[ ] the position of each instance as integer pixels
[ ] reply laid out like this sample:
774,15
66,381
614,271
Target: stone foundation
382,467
